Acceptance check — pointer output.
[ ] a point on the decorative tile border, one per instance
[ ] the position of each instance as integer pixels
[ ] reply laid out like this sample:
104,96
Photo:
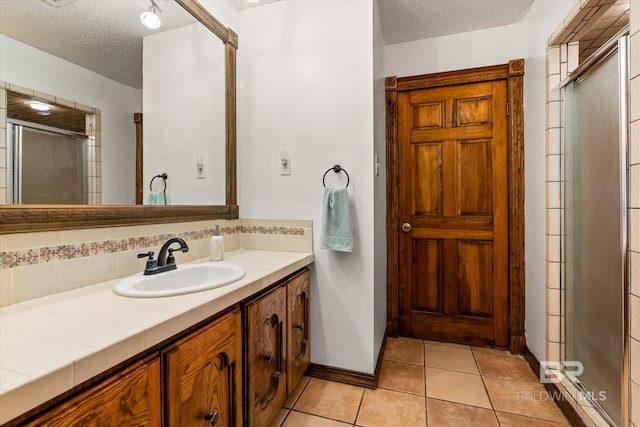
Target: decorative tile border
11,259
283,231
64,252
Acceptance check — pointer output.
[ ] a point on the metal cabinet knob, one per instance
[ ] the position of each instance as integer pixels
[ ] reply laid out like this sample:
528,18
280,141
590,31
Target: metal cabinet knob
406,227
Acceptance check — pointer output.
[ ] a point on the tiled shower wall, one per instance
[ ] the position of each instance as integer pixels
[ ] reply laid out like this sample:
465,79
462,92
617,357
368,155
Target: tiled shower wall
94,169
43,263
634,215
3,145
561,60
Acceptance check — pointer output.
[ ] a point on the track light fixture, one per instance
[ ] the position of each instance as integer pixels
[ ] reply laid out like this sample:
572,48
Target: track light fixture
150,18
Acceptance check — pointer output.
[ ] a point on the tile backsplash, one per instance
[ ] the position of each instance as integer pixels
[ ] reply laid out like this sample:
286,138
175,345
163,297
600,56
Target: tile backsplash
37,264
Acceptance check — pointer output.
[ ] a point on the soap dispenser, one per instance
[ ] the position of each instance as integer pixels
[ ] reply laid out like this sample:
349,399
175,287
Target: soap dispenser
216,245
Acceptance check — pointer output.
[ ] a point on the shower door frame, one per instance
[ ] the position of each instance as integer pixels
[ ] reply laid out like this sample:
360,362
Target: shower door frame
14,156
620,44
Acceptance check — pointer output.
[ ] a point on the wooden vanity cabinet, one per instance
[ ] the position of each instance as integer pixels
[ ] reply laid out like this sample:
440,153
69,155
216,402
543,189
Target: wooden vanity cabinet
266,319
130,397
298,344
197,379
203,376
277,347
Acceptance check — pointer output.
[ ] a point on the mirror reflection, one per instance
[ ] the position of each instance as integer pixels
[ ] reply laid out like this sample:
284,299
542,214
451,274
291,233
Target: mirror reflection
90,65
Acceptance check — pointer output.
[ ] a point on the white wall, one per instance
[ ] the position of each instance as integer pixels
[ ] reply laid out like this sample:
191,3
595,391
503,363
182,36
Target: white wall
32,68
224,11
497,46
380,194
305,85
191,87
193,92
184,114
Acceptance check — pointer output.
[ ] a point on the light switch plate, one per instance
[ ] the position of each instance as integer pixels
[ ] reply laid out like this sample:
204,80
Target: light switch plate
285,163
200,167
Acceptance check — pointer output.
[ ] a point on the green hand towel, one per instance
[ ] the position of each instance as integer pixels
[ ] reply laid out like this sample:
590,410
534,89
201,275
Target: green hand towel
157,198
337,232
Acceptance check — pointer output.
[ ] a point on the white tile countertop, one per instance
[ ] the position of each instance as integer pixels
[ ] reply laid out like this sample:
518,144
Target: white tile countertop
51,344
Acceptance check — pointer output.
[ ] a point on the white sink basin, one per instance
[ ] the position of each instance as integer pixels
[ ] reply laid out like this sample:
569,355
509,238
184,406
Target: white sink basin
185,279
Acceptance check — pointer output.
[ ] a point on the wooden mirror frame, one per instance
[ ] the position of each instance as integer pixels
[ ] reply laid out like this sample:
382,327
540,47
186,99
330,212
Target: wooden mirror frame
29,218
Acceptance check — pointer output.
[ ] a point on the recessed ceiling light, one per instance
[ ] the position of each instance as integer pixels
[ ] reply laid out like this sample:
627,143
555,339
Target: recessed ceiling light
253,1
40,106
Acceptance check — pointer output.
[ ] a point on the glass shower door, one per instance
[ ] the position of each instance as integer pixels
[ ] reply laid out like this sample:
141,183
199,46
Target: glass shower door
47,165
595,230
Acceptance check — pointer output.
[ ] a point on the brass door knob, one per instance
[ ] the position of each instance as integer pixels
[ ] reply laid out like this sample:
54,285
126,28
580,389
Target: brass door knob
406,227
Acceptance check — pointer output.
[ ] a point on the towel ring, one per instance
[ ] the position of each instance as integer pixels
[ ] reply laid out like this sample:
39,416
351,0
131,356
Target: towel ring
164,180
336,169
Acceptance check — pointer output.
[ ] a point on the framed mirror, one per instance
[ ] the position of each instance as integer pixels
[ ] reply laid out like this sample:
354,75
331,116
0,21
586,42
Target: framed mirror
182,108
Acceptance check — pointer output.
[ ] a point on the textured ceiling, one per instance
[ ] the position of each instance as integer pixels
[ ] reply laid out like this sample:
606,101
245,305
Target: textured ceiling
407,20
244,4
103,36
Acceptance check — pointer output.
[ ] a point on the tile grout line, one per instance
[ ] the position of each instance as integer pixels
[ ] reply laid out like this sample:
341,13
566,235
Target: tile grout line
495,415
321,416
424,367
289,410
355,421
495,411
299,395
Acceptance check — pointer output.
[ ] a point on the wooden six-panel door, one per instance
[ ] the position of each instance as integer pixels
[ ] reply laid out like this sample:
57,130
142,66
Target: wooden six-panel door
453,213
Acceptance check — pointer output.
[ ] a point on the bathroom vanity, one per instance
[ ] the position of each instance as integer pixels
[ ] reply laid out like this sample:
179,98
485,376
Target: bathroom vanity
225,357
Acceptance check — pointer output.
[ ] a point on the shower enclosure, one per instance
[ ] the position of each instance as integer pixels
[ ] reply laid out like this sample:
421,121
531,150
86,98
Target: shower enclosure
45,165
595,229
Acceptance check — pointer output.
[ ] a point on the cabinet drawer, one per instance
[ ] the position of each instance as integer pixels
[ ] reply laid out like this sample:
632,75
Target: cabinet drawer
204,376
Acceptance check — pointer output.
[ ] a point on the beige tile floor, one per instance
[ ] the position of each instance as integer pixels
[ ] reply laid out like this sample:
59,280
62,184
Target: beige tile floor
425,383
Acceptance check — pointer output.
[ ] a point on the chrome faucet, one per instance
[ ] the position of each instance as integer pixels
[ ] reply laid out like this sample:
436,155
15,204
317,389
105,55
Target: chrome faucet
164,262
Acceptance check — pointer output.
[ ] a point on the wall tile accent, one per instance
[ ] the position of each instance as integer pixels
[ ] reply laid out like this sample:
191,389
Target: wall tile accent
561,58
283,231
38,264
10,259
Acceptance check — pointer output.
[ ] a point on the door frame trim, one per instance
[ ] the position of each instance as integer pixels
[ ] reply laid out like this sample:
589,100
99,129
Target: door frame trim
513,73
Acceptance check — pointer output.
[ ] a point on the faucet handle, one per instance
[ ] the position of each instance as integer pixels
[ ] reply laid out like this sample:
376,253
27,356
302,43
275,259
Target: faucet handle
152,265
171,259
148,254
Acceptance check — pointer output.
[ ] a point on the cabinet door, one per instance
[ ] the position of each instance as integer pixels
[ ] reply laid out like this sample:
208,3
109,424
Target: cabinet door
298,352
204,376
266,320
130,397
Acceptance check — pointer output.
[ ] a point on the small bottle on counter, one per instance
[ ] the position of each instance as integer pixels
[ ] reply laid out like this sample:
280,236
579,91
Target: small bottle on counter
216,245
